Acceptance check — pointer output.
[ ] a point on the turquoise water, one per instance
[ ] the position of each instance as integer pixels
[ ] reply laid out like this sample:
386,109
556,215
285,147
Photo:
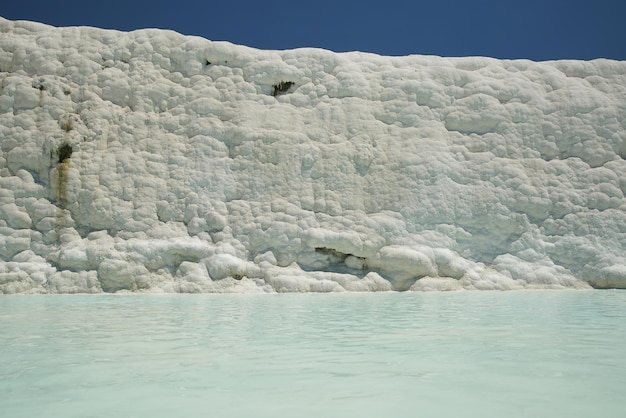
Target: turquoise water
469,354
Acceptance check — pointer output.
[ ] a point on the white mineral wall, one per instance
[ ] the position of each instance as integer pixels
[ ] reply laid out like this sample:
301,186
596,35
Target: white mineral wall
152,161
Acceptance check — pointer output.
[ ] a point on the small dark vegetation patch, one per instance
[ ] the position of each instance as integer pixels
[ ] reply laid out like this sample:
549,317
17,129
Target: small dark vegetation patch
281,88
64,152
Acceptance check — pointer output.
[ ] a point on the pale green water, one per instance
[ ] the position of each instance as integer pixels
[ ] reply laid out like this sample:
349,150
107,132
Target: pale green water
467,354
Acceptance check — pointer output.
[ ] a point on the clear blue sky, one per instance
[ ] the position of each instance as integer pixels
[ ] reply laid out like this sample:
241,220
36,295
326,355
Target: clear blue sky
533,29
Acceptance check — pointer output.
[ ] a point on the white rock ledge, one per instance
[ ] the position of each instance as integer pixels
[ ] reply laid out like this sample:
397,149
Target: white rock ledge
154,162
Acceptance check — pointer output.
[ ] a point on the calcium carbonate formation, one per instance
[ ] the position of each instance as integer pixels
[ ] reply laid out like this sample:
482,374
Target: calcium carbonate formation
152,161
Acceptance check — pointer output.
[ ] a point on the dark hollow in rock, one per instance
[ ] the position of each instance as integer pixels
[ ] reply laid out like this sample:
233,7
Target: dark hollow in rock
64,152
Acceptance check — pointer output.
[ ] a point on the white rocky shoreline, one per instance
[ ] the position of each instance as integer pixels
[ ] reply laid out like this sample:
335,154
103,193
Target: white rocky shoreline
150,161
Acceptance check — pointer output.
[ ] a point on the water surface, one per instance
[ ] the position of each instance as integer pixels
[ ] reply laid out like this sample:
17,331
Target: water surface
470,354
